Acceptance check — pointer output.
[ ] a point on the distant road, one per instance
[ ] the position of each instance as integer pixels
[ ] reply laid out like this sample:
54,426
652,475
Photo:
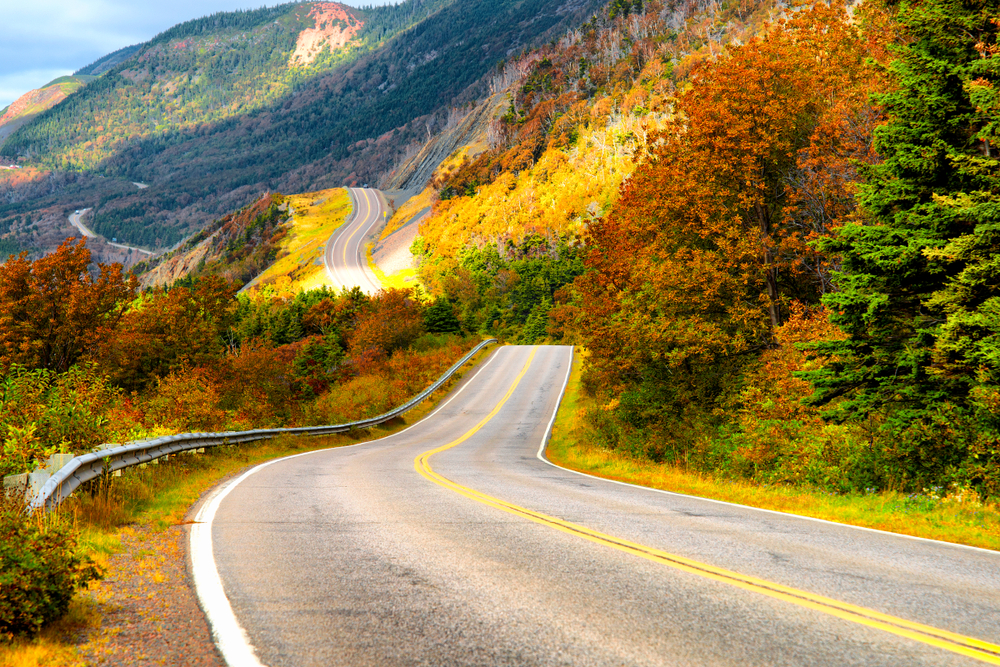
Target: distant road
454,543
75,219
344,257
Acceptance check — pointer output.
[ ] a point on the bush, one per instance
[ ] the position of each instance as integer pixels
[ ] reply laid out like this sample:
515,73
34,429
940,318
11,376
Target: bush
40,568
42,412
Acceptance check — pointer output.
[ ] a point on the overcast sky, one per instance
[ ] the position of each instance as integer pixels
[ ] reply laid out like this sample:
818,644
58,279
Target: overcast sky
41,40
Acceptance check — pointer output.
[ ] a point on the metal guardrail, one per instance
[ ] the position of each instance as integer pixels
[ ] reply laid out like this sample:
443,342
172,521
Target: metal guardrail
89,466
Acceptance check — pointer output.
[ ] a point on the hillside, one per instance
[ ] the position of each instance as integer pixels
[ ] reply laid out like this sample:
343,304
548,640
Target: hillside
293,98
34,102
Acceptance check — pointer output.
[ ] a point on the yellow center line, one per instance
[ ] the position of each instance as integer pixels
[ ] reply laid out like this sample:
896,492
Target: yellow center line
949,641
348,242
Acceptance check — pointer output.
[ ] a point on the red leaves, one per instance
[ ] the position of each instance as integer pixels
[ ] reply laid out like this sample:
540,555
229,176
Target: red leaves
50,309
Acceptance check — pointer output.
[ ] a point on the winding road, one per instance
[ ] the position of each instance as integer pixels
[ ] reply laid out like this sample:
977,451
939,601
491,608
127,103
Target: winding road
344,257
454,543
76,219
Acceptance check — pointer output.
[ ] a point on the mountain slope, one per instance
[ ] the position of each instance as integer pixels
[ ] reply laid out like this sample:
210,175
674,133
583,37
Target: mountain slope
214,111
34,102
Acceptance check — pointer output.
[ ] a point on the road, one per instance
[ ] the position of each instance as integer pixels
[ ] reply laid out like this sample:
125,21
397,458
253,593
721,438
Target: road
75,219
344,257
454,543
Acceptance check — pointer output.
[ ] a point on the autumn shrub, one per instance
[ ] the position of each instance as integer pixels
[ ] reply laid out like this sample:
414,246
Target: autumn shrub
390,382
43,412
257,382
391,320
187,400
41,567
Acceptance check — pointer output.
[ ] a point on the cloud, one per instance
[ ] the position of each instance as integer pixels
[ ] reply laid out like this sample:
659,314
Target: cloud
42,37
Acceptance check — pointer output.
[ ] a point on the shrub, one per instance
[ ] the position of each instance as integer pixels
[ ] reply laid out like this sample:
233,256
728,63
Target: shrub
42,412
40,568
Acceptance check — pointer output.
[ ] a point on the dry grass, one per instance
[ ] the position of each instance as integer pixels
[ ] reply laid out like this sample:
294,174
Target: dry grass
405,279
956,517
299,265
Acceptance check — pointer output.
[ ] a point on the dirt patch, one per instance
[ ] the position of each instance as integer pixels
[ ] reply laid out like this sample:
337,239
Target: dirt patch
334,27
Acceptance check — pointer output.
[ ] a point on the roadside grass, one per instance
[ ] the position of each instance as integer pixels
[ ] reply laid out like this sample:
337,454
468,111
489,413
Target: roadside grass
161,496
405,279
299,265
405,213
957,518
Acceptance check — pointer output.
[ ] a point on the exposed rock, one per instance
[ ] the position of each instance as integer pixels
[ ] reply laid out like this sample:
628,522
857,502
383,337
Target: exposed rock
471,131
334,27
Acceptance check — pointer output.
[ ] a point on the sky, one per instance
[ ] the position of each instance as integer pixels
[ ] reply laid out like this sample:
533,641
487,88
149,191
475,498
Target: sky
41,40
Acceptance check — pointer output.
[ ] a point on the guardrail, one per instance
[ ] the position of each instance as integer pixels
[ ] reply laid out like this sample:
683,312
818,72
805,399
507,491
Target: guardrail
86,467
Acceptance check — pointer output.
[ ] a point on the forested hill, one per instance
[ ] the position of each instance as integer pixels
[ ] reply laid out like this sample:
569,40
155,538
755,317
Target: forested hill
288,98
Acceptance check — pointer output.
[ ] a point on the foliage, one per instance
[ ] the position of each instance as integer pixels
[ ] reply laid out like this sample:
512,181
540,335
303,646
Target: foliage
51,309
919,288
42,412
165,330
439,317
686,287
40,568
390,321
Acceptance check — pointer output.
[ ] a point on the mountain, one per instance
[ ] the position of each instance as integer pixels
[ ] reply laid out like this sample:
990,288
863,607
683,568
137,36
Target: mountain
292,98
34,102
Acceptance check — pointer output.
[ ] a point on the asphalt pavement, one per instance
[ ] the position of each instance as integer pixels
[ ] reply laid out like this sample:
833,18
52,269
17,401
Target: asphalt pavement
453,543
344,256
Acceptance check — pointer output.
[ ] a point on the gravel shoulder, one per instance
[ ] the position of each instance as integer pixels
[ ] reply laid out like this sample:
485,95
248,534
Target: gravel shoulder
150,614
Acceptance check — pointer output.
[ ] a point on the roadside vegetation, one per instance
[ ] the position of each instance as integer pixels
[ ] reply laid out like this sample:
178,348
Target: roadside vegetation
89,527
774,233
950,515
88,359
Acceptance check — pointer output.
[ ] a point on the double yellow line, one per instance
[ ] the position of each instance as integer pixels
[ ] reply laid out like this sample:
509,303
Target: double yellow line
949,641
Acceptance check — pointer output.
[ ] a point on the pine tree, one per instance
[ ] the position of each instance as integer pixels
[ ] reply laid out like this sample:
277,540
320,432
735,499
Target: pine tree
919,290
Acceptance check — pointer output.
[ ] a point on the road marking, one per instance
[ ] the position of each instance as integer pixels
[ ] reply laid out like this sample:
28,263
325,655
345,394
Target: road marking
949,641
229,636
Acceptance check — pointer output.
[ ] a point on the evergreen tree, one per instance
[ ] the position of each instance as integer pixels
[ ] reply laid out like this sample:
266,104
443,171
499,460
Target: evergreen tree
440,318
920,281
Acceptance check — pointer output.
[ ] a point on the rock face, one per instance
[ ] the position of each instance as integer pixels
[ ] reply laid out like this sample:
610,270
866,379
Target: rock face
470,131
334,27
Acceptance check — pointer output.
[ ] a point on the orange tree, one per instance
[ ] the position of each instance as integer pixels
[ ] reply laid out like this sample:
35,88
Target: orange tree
52,308
696,266
166,330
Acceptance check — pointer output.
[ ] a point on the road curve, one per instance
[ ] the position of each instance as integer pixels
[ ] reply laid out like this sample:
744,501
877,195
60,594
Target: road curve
344,256
75,219
452,543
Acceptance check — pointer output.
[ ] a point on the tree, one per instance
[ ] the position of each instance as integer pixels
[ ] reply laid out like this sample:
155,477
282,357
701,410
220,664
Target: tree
919,292
51,309
697,263
440,317
920,286
167,330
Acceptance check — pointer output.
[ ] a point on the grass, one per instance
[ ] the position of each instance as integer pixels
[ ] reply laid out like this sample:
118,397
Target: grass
956,518
160,496
406,212
300,259
405,279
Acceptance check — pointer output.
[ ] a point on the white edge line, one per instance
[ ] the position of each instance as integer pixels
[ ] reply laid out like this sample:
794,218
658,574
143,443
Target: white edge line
230,637
548,434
